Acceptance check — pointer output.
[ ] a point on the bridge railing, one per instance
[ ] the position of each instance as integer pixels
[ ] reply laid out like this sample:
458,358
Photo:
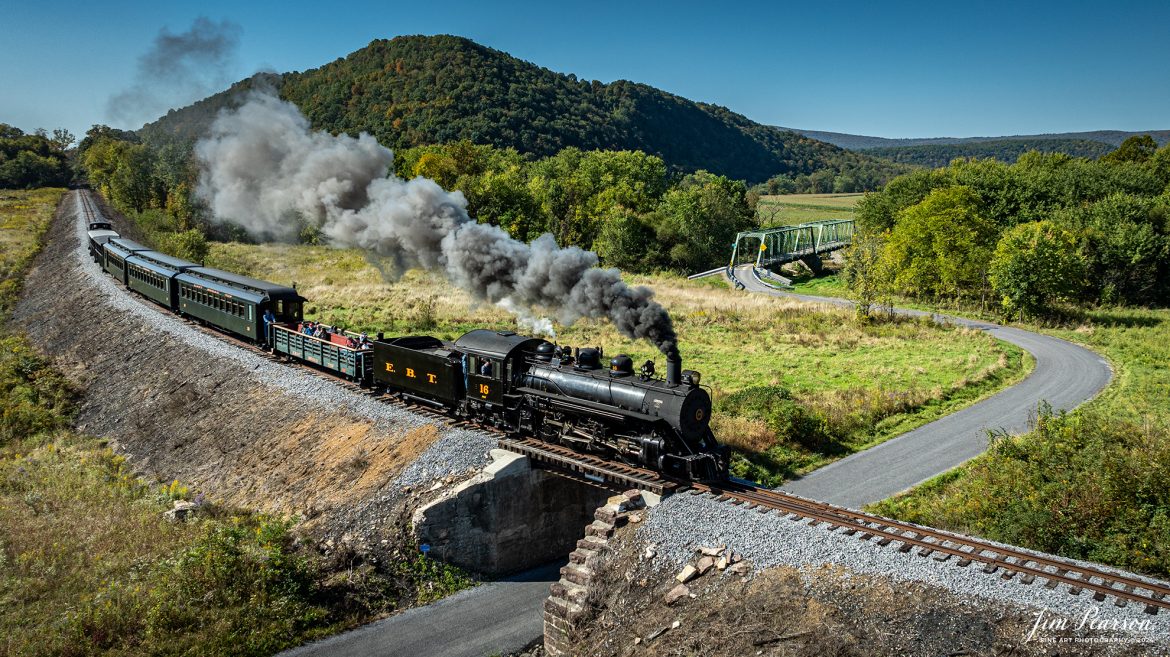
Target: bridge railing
787,243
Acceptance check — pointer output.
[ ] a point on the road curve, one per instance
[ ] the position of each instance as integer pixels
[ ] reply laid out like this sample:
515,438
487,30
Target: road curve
1065,376
496,618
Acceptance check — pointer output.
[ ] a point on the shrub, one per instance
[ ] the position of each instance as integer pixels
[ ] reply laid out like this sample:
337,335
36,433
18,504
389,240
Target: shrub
37,399
783,415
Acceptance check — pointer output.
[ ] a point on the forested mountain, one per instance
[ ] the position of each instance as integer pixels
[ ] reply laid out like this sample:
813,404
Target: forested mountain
1111,138
1004,150
413,91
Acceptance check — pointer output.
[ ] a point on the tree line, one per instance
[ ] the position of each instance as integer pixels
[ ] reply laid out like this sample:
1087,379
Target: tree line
1031,237
625,205
1004,150
152,184
40,159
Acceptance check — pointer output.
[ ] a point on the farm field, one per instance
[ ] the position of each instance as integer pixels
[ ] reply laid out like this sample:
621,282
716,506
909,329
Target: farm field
851,384
792,209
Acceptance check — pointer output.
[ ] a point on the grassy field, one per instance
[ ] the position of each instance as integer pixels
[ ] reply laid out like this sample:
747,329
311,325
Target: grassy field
858,383
791,209
1094,484
24,217
89,565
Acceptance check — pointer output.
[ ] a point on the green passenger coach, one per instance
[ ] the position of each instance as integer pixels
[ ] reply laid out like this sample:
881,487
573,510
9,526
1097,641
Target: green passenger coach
235,303
152,274
117,250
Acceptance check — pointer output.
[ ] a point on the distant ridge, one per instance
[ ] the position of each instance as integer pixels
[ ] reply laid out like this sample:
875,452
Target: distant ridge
420,90
861,142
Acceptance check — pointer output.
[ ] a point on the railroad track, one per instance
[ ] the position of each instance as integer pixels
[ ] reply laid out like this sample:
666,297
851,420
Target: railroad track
944,546
87,208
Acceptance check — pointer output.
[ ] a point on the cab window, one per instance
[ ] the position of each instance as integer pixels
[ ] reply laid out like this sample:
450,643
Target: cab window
487,368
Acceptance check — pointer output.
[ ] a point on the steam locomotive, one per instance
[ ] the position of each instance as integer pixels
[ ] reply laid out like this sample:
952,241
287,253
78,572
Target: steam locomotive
521,385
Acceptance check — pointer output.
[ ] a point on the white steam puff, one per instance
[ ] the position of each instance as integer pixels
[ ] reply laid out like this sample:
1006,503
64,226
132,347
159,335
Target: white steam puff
263,168
539,326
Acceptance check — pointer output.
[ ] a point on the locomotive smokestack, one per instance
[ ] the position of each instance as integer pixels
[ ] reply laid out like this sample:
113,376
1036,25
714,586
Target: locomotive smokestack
673,369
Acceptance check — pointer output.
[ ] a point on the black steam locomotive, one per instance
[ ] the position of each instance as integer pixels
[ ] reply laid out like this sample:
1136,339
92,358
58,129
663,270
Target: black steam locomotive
522,385
529,386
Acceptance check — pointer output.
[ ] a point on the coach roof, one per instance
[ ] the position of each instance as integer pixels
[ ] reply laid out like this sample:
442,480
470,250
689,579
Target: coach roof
228,279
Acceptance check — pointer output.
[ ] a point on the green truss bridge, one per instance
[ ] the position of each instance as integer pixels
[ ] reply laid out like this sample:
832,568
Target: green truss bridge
769,248
772,247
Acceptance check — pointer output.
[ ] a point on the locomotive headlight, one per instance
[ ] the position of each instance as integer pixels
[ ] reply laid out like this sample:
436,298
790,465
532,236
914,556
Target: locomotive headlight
691,377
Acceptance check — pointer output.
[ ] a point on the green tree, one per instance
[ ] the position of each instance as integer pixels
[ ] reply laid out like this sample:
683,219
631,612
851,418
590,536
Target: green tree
1138,148
1034,265
863,274
627,242
62,139
1125,242
697,221
940,247
132,184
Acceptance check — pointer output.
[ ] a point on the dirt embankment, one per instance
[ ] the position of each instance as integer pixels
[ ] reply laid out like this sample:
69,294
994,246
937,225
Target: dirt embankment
826,611
214,423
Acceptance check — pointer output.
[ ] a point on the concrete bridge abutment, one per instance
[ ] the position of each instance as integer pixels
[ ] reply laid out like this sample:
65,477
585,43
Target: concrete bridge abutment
508,518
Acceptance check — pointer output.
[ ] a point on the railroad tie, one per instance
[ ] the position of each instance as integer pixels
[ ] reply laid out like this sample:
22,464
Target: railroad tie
907,545
1119,601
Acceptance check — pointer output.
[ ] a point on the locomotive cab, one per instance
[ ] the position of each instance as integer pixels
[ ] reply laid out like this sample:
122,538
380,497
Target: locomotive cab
491,361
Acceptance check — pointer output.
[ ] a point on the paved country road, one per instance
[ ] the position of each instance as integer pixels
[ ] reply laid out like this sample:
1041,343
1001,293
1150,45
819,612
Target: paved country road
1065,376
496,618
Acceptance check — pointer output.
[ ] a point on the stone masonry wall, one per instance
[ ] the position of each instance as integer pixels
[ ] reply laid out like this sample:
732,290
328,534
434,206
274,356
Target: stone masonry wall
567,598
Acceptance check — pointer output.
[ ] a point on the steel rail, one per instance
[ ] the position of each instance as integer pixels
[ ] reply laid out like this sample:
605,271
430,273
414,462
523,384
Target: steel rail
1011,560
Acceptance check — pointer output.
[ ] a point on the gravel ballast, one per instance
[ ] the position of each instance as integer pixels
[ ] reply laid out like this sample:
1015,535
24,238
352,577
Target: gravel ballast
684,522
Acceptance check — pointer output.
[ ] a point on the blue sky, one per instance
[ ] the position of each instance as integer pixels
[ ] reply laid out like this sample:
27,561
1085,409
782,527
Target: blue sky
885,69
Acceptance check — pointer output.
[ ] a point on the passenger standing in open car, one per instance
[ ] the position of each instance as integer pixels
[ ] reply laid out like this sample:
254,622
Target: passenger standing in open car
268,320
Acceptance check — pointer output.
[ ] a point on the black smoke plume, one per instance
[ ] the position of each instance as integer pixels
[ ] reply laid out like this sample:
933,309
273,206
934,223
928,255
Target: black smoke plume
178,69
262,167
